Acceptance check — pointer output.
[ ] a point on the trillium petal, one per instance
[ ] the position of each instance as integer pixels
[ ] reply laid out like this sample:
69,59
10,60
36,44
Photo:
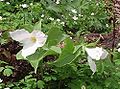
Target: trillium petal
104,54
27,43
40,37
19,35
28,51
94,53
91,64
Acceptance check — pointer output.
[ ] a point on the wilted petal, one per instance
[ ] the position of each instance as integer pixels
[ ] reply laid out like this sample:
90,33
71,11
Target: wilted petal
40,37
104,54
94,53
19,35
91,64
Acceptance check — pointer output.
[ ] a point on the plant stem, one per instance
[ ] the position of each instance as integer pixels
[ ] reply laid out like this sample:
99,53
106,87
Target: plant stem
114,25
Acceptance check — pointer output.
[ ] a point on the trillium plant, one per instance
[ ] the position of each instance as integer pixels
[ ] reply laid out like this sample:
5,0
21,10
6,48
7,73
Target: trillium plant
95,54
59,44
30,41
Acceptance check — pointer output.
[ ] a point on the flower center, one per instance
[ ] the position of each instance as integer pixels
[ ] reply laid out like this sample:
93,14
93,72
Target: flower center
33,39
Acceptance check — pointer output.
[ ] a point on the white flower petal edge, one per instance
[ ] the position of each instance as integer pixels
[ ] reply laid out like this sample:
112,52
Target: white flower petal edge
30,41
91,64
19,35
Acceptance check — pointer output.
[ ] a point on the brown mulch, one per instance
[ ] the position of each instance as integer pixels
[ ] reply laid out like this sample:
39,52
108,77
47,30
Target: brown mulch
105,40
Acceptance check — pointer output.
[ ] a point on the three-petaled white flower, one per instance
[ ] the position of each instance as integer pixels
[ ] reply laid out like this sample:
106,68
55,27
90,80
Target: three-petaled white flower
95,54
30,41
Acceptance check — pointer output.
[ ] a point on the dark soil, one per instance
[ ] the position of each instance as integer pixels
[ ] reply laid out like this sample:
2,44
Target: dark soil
21,67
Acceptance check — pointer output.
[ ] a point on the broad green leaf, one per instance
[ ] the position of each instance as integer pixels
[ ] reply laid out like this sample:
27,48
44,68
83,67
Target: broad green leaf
35,58
67,55
56,49
55,35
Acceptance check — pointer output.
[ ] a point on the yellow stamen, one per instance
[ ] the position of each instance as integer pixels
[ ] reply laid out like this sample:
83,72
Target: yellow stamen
33,39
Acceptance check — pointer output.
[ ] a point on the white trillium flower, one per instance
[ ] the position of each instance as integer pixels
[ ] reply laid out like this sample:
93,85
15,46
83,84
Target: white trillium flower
30,41
95,54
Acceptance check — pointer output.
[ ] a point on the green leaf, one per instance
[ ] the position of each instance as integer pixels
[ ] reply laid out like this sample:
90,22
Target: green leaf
38,26
35,58
56,49
75,84
1,69
40,84
55,35
7,72
67,55
10,67
54,8
19,55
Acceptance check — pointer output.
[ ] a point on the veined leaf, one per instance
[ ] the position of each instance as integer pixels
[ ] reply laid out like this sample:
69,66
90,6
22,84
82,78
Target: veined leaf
67,55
